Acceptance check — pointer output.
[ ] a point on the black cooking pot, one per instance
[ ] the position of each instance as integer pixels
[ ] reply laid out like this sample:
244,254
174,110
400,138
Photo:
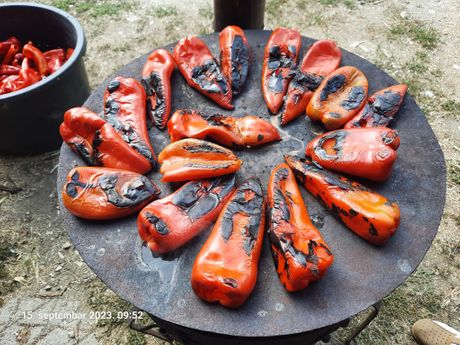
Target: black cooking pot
30,118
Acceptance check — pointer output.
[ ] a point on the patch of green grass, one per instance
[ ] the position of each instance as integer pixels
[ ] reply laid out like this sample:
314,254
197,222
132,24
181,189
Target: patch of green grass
165,11
454,172
135,338
419,63
451,106
95,9
272,7
417,31
206,12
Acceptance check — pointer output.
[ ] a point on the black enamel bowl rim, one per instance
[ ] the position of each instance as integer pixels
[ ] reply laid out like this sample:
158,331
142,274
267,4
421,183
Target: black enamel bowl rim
98,270
80,48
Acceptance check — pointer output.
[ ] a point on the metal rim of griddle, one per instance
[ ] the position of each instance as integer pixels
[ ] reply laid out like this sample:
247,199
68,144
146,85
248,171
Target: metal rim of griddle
362,274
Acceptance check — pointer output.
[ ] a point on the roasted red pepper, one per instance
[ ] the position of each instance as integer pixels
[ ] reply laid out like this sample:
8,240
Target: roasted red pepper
362,152
55,58
322,58
225,269
339,97
103,193
235,55
98,143
280,56
193,159
169,223
8,49
125,109
367,213
156,79
9,70
247,131
33,53
380,108
202,72
299,251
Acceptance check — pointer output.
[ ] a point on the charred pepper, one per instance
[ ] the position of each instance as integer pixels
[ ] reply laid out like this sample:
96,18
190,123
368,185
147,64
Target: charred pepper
362,152
202,72
367,213
280,56
156,79
247,131
299,251
103,193
193,159
171,222
225,269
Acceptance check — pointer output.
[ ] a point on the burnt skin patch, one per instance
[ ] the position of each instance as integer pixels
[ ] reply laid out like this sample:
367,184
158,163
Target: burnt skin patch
305,81
159,225
113,86
251,208
332,86
354,99
240,64
260,137
156,106
230,282
204,148
386,104
209,77
338,137
275,83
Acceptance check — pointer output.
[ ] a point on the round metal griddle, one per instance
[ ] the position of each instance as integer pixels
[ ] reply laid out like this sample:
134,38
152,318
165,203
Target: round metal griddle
361,275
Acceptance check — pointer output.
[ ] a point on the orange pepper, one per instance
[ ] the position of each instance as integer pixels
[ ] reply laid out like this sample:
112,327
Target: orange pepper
156,76
171,222
97,143
202,72
299,251
193,159
322,58
125,110
235,56
247,131
380,108
365,212
280,56
362,152
104,193
339,97
225,269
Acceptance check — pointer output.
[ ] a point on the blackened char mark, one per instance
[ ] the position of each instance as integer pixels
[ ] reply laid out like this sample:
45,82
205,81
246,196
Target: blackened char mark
305,81
209,166
248,208
230,282
339,138
187,195
240,64
113,86
354,99
275,82
332,86
209,77
384,107
203,148
83,151
126,131
154,87
372,230
133,192
159,225
203,206
260,137
71,187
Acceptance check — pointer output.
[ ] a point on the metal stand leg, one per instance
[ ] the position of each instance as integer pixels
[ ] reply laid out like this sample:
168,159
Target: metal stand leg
151,329
351,338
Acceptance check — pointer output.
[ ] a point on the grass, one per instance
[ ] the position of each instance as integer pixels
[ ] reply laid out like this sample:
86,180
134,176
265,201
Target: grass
94,9
165,11
454,172
7,253
417,31
135,338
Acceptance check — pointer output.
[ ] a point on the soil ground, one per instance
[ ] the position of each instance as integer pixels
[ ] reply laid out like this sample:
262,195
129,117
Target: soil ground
417,42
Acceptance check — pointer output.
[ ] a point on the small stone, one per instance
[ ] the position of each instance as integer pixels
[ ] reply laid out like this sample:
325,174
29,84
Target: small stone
66,245
404,15
428,93
58,268
47,287
71,335
61,255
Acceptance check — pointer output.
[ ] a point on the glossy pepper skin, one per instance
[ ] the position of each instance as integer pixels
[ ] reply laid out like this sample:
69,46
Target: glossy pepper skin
54,58
33,53
367,213
156,79
247,131
321,59
103,193
202,72
193,159
97,142
300,254
280,56
235,56
363,152
339,97
169,223
225,269
125,109
380,108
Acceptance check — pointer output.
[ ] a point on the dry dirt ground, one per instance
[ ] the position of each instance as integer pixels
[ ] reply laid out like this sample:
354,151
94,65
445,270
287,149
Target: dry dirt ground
417,42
